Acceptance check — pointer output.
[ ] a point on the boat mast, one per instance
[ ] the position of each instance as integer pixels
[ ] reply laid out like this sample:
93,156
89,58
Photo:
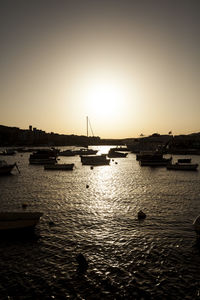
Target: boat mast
87,124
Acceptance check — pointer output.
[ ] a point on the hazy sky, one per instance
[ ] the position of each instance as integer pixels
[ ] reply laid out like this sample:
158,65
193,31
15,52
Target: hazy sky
132,66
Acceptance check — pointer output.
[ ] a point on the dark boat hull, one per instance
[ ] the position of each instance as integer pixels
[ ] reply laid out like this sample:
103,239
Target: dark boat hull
95,160
182,167
115,154
6,170
59,167
42,161
155,163
18,220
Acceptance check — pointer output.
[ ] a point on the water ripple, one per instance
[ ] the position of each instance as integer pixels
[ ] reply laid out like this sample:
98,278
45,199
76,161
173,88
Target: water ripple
156,258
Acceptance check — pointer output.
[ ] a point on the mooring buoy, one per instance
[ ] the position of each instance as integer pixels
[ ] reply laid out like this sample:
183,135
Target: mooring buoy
141,215
24,205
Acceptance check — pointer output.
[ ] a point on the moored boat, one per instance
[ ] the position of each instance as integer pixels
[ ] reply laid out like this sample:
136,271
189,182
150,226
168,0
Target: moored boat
184,160
114,154
149,155
121,148
182,166
66,153
18,220
61,167
95,160
152,159
6,168
8,152
155,162
43,156
42,161
84,151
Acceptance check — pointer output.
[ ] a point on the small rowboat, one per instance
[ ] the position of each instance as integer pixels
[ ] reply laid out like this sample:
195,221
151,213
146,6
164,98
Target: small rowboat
182,167
18,220
6,168
61,167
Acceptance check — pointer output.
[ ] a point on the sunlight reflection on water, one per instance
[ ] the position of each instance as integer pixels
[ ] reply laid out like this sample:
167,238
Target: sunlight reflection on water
101,222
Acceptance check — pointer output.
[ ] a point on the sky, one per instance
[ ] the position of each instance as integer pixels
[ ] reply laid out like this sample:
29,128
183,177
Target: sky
131,66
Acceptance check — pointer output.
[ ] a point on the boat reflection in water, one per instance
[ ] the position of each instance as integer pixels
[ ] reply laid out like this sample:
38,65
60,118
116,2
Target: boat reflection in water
94,212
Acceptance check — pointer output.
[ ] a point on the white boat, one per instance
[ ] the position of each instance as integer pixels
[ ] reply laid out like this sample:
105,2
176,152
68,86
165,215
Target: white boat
95,160
61,167
6,168
19,220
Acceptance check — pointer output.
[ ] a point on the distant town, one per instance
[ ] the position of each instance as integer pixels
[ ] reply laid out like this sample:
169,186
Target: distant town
180,144
14,136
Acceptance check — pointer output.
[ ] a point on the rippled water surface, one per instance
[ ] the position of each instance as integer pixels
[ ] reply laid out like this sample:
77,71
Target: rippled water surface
157,258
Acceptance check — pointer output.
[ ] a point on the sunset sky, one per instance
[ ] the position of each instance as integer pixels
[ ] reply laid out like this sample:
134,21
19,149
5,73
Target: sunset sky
132,66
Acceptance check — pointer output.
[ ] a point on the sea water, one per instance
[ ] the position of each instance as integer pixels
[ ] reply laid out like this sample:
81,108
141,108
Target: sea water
94,212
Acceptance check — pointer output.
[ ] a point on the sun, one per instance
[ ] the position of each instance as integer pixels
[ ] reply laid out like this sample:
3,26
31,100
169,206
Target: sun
104,99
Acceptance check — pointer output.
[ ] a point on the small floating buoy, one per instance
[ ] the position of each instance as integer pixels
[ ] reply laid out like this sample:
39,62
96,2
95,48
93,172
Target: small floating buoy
51,223
87,186
24,205
82,263
141,215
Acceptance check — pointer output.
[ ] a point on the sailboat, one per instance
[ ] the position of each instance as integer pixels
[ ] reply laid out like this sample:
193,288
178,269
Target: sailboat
86,150
90,158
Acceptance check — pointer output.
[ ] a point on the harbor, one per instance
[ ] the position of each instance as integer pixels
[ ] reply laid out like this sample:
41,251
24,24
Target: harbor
100,150
94,212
